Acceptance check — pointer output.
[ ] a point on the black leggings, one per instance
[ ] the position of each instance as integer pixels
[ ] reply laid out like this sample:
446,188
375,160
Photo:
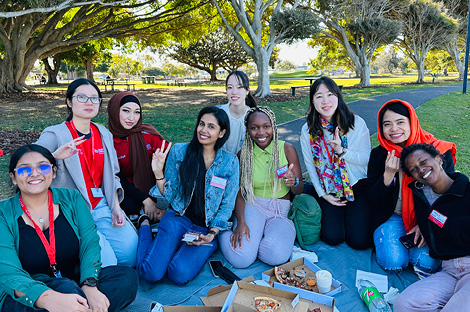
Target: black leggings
350,223
118,283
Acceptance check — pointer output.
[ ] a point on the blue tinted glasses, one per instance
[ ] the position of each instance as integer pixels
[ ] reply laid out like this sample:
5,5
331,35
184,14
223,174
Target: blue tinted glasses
27,171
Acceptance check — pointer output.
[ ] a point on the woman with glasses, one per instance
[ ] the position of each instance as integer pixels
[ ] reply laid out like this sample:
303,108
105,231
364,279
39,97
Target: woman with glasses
87,162
50,248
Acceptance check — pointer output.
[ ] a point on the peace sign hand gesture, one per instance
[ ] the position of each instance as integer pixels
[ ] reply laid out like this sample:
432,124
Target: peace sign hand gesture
159,159
69,148
335,143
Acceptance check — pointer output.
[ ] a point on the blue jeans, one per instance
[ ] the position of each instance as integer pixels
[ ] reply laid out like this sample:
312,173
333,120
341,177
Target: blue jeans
168,254
392,256
118,245
118,283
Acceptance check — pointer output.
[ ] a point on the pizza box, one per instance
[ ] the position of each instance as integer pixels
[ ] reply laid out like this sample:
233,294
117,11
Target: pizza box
240,298
336,286
216,297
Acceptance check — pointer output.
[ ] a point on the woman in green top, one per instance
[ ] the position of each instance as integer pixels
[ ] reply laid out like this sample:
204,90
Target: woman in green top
269,173
50,248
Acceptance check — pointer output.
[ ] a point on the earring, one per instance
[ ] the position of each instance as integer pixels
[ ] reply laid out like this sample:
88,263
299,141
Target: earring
419,185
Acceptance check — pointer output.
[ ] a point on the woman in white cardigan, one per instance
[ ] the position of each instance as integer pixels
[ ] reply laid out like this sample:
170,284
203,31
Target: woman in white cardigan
336,148
88,163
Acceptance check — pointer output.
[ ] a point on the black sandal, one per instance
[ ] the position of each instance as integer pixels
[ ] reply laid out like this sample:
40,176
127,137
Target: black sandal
142,218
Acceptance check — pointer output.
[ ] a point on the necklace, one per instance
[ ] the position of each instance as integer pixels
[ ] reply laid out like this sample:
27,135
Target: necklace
41,220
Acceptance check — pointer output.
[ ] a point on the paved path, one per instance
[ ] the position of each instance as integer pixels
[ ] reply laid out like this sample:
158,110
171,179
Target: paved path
367,109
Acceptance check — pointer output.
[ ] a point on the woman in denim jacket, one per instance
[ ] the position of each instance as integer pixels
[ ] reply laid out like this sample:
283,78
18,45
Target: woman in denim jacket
200,182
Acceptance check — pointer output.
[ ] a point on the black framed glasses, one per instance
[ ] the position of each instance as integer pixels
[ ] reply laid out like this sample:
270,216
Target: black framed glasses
83,99
26,171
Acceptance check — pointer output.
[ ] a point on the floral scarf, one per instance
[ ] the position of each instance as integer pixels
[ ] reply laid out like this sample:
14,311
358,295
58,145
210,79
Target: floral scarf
330,168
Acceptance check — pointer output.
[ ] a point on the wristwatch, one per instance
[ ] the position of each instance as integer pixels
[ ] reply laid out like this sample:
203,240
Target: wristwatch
213,233
90,281
345,150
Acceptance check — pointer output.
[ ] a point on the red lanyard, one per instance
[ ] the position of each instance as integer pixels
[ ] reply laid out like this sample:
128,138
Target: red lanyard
327,151
74,133
50,247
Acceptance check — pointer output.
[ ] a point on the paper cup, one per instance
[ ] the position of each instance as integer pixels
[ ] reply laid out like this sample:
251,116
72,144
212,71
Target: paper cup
324,280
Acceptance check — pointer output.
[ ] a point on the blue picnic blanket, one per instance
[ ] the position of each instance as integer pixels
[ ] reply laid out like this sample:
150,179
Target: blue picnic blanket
342,261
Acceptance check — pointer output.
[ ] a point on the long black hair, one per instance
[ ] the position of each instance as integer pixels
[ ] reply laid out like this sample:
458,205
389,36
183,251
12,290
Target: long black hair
242,79
343,116
71,90
192,171
30,148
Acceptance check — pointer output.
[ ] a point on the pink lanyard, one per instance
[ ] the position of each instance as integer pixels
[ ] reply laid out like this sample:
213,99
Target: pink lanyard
327,151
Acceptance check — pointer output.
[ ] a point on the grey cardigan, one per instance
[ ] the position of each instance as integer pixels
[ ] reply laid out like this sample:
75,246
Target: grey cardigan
69,173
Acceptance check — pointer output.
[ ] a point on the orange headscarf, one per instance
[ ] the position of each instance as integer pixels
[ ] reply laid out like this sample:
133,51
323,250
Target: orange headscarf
417,135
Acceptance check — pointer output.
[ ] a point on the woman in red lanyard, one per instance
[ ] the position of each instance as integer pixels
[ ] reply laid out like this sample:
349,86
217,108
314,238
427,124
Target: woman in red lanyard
336,148
87,162
134,142
50,248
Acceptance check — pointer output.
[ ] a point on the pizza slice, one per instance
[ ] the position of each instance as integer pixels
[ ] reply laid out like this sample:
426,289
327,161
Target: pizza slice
266,304
297,278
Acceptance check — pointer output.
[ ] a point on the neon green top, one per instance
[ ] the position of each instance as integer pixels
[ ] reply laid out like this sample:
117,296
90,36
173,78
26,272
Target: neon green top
264,174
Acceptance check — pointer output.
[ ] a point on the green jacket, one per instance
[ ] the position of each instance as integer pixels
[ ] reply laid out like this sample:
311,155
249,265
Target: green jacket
13,277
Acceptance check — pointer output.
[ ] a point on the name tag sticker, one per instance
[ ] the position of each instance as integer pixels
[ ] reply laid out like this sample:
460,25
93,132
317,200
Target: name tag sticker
281,171
438,218
218,182
97,192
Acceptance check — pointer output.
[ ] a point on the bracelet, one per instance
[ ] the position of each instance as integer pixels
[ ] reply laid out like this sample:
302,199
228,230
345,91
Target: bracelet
160,179
213,233
296,182
345,150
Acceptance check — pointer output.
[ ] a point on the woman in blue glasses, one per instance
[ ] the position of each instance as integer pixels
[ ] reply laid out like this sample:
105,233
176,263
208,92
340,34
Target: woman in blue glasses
50,248
87,162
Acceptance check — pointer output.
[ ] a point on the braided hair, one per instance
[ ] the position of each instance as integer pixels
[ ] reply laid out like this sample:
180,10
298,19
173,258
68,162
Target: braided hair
247,156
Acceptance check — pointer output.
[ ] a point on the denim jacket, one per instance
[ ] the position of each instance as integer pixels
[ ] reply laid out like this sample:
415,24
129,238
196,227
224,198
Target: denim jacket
219,202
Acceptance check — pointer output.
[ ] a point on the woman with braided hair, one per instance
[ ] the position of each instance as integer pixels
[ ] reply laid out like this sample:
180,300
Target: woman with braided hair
269,173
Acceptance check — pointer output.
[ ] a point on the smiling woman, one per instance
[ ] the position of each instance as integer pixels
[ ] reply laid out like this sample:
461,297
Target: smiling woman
134,142
394,214
336,147
55,262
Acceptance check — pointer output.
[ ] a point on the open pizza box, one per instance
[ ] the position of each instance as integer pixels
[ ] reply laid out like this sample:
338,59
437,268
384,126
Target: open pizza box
336,286
240,298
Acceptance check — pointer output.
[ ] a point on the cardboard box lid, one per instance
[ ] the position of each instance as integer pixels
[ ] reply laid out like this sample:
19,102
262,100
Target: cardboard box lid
243,293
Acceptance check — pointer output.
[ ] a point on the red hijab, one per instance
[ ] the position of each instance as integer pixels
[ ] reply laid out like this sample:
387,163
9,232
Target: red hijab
143,177
417,135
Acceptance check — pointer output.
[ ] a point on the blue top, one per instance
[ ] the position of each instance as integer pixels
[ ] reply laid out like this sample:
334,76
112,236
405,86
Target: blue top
219,199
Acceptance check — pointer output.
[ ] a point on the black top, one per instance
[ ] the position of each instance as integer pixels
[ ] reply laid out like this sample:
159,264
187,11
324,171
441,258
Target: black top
33,256
193,215
453,239
384,198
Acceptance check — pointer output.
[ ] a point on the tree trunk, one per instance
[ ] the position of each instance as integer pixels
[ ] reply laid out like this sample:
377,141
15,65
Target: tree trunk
420,66
454,52
89,68
365,75
213,73
51,72
262,64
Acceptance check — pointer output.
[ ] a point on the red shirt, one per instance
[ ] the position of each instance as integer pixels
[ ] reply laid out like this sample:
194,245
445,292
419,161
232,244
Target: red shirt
122,150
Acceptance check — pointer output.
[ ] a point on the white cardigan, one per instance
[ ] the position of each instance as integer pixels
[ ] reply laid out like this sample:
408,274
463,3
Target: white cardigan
356,158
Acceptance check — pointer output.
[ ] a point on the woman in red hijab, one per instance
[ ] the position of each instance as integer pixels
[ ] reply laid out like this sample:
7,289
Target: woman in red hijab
392,201
134,142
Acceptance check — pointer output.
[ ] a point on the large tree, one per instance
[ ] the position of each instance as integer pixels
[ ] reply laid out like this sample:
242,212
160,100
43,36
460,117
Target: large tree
37,32
215,50
361,27
260,25
457,9
424,26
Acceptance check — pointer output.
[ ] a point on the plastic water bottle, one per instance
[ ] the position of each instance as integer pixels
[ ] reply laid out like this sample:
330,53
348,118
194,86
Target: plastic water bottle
372,297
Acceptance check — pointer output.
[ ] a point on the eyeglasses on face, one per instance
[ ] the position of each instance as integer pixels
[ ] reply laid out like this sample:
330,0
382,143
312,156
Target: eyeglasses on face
26,171
83,98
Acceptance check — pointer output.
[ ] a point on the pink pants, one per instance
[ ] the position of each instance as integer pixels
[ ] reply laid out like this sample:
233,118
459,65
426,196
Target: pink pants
446,291
272,235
